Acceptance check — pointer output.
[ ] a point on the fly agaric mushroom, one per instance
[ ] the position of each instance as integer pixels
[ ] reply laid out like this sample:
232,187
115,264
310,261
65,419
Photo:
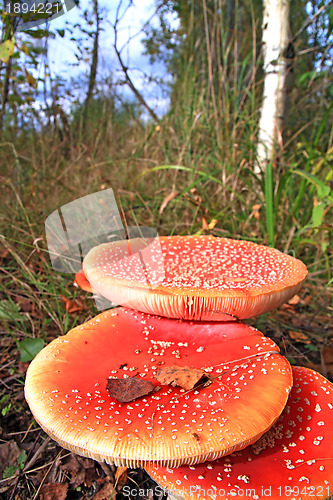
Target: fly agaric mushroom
293,460
205,278
82,282
66,389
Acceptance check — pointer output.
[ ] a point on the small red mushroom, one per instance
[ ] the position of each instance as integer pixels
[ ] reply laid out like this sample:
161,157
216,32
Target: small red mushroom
66,389
293,460
195,277
82,282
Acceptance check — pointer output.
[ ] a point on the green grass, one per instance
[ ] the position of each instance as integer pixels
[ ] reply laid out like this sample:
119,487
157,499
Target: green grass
202,153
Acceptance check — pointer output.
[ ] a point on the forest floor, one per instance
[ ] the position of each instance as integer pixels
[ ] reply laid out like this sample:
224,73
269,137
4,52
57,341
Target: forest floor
33,466
37,304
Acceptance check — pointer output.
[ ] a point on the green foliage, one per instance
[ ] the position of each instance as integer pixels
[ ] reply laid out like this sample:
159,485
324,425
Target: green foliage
9,311
204,149
5,405
190,174
12,469
29,348
7,50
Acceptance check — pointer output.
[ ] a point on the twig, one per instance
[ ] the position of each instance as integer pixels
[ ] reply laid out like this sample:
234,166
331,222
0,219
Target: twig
125,69
310,21
48,470
37,453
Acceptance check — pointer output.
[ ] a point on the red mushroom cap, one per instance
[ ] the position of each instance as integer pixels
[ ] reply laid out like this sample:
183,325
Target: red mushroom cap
293,460
82,282
195,277
66,389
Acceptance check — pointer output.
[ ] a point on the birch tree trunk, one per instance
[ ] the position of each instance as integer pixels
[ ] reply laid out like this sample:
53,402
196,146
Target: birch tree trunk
275,41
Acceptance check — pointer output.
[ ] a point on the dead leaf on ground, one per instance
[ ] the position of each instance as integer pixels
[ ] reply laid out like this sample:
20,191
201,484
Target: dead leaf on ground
297,321
77,472
208,226
327,360
294,300
82,470
25,304
197,197
90,476
126,390
108,492
4,252
182,376
22,367
212,224
53,491
256,211
204,224
167,200
120,478
306,301
9,453
299,337
74,305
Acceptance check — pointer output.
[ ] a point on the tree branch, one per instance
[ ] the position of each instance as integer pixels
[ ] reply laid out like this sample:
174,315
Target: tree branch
133,87
310,21
124,68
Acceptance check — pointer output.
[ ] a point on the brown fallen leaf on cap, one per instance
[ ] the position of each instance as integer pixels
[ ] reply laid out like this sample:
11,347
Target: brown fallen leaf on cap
182,376
126,390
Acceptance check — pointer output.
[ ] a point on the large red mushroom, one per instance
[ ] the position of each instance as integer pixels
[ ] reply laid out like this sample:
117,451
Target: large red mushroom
293,460
247,388
194,277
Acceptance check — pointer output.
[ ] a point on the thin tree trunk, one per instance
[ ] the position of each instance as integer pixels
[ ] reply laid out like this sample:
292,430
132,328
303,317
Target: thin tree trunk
93,66
8,31
276,43
5,93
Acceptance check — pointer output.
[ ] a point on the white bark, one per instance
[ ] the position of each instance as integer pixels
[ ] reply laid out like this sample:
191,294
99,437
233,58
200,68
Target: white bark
275,40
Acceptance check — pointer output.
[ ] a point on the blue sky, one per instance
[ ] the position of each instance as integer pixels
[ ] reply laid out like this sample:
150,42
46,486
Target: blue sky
62,50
